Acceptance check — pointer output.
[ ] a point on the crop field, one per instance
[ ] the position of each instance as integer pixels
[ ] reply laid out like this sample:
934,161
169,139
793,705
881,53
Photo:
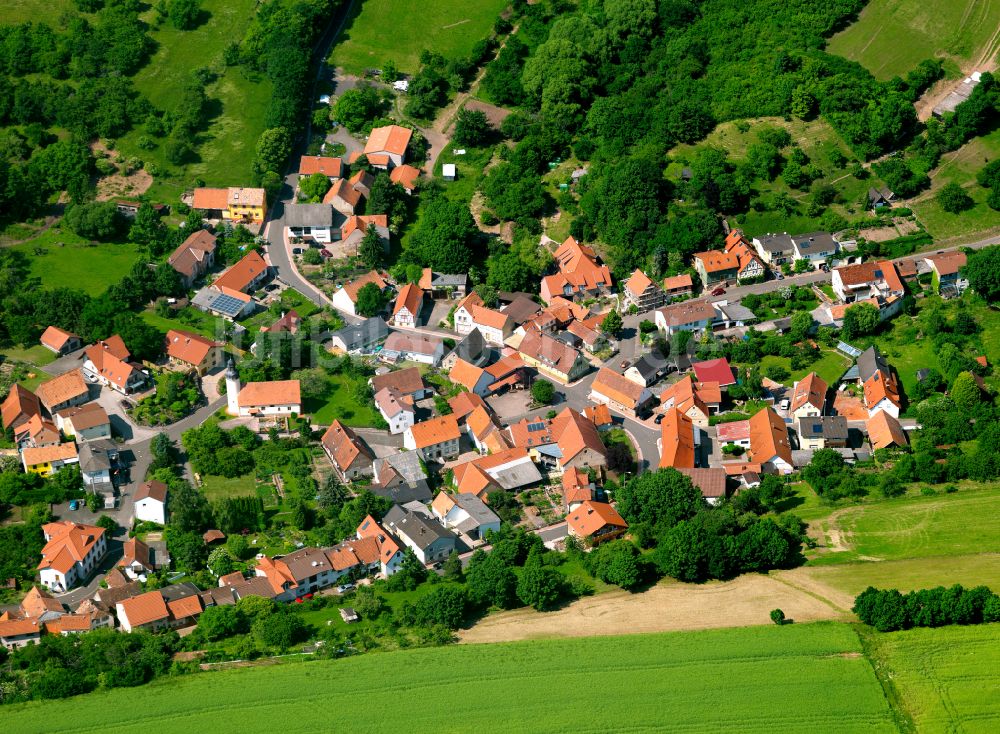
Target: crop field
225,150
701,681
945,679
61,259
961,30
449,27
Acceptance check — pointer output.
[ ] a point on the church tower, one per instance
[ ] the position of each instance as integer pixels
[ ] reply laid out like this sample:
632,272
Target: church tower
232,388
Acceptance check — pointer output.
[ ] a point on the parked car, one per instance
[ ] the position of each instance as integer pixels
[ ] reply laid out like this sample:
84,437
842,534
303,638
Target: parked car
74,505
296,250
344,588
718,291
784,404
778,276
659,419
625,364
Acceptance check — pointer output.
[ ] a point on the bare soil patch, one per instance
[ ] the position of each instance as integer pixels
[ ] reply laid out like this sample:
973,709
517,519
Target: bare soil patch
494,114
744,601
119,184
850,407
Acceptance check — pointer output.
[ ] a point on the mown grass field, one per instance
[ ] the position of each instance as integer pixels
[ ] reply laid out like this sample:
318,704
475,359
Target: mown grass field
945,679
961,167
830,366
398,30
891,37
61,259
35,11
817,140
225,150
340,403
702,681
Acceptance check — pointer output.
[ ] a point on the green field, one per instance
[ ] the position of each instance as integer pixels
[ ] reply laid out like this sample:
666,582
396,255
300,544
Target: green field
763,679
226,148
398,30
893,36
961,167
340,403
216,488
35,11
61,259
36,355
830,366
945,679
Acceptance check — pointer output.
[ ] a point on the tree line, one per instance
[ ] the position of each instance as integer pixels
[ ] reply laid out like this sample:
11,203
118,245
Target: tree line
888,610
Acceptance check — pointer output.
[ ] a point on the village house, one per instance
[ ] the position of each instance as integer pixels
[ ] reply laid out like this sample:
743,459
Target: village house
386,146
822,432
463,404
678,286
678,440
430,541
412,347
136,561
246,275
620,393
354,229
647,370
168,608
715,266
749,264
346,299
769,444
734,433
472,348
880,197
66,390
332,168
876,279
107,362
408,381
595,522
241,205
814,247
59,341
406,309
591,339
288,323
435,439
684,316
577,488
88,422
710,481
272,399
19,406
358,338
808,397
947,277
36,433
444,285
884,430
71,554
151,503
313,222
881,392
306,571
15,633
345,195
552,358
775,249
495,326
405,176
98,468
465,514
718,371
390,553
642,292
397,409
485,431
189,351
194,256
580,275
349,455
511,469
474,379
47,460
687,396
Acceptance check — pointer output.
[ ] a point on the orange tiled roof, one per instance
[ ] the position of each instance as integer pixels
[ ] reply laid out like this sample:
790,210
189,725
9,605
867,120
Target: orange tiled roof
811,390
331,167
575,486
67,386
676,440
68,543
715,261
464,403
638,283
618,387
362,223
884,431
388,139
599,415
189,347
465,374
410,298
352,288
145,608
591,516
205,198
678,281
948,263
769,437
48,454
56,338
434,431
277,392
242,274
343,445
19,405
574,434
578,265
881,386
405,175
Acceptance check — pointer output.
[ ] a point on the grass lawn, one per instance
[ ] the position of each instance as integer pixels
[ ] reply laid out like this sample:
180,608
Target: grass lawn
225,150
958,29
193,320
830,366
36,11
36,355
340,403
448,27
645,682
216,488
816,139
945,679
61,259
961,167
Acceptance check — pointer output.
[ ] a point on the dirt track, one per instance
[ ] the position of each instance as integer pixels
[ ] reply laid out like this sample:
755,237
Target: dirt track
744,601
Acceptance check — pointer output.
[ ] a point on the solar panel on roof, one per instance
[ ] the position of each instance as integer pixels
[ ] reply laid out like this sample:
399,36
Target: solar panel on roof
227,304
533,427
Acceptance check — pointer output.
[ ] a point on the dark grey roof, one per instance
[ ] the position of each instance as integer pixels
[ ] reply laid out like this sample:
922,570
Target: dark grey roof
361,335
445,280
179,591
831,427
477,509
521,309
406,463
421,531
815,242
776,242
473,348
417,491
97,455
648,367
871,361
308,215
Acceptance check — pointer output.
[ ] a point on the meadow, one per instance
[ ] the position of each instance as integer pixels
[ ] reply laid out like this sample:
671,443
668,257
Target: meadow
61,259
830,366
22,11
449,27
340,403
959,30
701,681
945,679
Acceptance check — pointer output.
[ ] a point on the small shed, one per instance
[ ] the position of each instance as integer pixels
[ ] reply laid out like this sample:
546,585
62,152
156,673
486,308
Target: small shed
213,536
448,172
349,615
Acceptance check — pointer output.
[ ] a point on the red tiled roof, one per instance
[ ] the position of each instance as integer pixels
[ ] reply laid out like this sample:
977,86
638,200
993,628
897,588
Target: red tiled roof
714,370
676,440
277,392
189,347
591,516
331,167
242,274
56,338
388,139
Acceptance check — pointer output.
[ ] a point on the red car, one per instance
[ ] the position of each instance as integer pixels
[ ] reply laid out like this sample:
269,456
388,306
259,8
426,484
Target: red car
718,291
